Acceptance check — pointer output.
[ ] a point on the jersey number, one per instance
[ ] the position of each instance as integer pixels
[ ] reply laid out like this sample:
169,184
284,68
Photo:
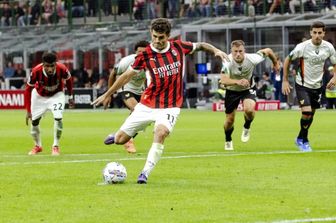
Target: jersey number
171,119
57,106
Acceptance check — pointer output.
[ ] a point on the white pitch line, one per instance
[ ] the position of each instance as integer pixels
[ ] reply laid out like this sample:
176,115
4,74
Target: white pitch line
223,154
306,220
213,152
83,154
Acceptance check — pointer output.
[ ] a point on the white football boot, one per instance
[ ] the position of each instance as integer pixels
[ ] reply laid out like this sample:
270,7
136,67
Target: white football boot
245,137
229,146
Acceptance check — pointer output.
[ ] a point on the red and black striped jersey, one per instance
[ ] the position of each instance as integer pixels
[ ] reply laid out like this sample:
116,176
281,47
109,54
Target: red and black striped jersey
165,70
48,85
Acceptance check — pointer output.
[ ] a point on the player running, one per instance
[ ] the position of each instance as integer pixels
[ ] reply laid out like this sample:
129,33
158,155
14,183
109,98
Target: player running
237,77
312,55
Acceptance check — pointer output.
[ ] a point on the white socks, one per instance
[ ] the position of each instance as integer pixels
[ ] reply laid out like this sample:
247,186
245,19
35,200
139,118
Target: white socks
58,127
35,133
154,155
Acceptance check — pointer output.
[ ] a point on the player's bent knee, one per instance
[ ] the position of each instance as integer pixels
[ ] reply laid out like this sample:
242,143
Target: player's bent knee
121,138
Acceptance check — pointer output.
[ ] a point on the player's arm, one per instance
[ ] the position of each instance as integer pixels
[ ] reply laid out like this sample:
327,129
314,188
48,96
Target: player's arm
112,78
225,79
268,52
332,83
202,46
69,86
27,98
285,84
123,79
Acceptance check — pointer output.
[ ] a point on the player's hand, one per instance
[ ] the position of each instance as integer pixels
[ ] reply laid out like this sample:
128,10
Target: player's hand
99,100
28,117
222,55
331,84
286,88
71,102
107,102
244,83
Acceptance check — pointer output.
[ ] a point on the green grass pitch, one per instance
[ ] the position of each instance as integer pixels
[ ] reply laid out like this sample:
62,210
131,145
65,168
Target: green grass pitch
264,180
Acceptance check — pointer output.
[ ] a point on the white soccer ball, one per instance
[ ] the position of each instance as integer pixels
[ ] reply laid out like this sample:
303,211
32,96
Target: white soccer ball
114,172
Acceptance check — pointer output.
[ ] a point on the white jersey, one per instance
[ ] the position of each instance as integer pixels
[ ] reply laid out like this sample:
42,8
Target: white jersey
137,84
312,59
242,71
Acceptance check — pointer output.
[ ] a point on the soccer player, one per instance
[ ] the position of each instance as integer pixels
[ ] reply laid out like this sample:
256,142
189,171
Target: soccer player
161,101
312,55
237,77
44,91
130,92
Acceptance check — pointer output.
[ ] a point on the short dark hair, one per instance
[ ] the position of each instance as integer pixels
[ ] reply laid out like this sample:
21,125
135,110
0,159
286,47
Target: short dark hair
49,57
237,43
142,43
161,25
318,24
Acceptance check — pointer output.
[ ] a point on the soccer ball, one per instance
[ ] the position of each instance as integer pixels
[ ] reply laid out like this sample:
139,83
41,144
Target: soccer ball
114,172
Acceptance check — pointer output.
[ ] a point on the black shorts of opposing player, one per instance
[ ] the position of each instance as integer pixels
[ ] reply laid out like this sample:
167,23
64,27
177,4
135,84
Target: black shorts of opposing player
127,94
233,98
308,97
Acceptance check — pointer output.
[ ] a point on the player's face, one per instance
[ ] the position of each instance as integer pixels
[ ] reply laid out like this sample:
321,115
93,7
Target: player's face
317,35
49,68
159,40
238,53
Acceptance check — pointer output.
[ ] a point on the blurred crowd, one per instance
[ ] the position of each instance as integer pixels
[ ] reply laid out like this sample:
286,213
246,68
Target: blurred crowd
37,12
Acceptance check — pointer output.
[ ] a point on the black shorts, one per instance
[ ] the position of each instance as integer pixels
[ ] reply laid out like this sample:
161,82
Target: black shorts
127,94
233,98
308,97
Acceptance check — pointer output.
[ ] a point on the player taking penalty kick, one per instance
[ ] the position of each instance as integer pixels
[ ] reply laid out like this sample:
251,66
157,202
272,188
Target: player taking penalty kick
161,101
